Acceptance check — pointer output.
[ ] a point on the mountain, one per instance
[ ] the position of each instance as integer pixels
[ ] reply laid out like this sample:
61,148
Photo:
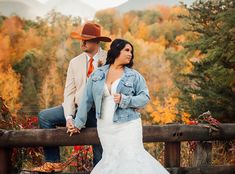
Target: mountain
72,7
28,9
143,4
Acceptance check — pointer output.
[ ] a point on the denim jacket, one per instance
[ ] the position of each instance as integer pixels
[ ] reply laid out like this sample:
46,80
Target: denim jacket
133,90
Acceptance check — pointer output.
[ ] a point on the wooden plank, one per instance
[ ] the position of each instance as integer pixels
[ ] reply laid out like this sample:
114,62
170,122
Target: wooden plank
158,133
47,137
27,172
222,169
172,154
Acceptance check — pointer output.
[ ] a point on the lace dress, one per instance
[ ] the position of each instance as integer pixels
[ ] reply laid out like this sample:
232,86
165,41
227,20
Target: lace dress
123,150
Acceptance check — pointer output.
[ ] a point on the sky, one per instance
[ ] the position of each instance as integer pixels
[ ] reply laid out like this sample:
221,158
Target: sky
99,4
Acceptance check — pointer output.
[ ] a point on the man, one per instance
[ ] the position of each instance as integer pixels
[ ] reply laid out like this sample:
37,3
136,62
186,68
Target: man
79,70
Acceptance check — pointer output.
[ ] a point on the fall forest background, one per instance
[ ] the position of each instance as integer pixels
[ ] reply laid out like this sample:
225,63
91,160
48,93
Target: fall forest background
186,54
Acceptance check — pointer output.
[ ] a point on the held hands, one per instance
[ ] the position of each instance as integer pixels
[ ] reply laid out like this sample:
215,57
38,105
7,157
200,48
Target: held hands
71,129
69,123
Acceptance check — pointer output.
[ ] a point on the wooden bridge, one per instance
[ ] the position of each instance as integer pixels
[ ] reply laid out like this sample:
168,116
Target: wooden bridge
171,134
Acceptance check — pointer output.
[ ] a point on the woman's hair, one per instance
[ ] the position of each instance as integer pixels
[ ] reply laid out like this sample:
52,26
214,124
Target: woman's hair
115,49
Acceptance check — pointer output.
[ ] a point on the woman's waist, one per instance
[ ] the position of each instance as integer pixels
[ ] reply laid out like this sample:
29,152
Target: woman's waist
131,130
110,123
107,104
122,115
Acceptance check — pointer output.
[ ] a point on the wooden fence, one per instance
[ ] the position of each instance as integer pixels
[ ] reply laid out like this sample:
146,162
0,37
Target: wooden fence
171,134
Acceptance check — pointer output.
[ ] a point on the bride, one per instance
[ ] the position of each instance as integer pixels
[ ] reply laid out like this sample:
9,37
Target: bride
118,91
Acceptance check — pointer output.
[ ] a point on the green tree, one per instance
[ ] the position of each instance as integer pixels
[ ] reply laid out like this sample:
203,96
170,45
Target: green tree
30,78
211,84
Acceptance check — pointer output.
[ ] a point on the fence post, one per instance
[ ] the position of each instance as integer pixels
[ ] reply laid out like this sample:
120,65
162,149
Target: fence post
172,154
5,160
202,154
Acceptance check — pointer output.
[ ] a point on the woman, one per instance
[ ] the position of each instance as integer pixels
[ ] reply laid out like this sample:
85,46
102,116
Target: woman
118,92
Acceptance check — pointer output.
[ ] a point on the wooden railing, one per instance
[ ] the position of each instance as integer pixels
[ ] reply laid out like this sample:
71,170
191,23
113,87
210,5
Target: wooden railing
171,134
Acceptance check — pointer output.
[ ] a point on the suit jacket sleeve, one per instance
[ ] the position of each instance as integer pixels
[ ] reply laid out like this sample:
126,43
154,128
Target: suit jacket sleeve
69,93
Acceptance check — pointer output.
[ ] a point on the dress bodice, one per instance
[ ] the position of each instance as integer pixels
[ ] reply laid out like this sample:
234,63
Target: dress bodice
113,88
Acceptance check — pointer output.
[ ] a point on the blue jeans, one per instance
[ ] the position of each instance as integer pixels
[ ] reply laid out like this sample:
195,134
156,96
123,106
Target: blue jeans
52,117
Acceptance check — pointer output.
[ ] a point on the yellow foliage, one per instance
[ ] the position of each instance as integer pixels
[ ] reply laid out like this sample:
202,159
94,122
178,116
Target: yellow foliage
143,31
10,88
14,41
162,41
4,50
185,117
52,89
176,10
149,108
163,112
156,48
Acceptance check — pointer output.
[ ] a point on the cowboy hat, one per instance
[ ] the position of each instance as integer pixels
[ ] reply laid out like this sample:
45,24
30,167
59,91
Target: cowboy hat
90,31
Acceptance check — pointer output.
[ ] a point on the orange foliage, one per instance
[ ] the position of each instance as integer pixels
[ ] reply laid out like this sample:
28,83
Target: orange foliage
164,11
10,88
163,112
4,50
143,31
14,41
51,90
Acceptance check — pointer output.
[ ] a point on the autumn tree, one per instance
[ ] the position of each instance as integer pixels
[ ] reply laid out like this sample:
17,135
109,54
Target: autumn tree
110,20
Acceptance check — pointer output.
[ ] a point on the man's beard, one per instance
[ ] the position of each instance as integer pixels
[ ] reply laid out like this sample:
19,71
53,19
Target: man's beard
88,51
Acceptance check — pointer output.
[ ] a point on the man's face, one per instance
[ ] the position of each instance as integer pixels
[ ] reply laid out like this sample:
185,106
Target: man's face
89,46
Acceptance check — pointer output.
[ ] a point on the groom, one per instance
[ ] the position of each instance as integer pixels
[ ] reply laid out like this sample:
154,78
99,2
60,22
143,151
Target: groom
79,70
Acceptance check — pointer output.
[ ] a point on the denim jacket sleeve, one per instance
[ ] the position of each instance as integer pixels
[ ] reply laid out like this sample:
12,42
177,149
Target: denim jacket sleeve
84,106
140,99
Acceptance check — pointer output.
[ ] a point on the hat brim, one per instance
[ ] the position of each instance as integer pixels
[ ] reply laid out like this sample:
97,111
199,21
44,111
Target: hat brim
77,36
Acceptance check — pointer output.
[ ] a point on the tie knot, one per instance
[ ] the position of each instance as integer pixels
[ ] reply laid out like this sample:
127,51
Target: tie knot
91,59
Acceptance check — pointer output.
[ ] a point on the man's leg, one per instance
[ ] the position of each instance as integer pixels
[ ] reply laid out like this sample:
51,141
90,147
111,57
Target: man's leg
97,152
48,119
97,148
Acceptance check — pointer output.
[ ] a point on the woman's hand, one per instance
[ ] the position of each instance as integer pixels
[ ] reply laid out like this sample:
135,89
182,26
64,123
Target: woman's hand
73,130
69,123
117,98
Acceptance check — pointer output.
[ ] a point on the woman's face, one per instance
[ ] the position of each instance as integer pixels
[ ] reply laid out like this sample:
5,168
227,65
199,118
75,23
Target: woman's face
125,55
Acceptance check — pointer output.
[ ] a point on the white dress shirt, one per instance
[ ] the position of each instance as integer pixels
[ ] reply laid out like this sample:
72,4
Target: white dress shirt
95,57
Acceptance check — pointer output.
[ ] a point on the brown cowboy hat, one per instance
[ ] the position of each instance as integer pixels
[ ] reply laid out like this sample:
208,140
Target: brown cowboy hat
90,31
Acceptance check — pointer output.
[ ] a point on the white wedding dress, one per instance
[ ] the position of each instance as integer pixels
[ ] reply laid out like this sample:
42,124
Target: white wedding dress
123,150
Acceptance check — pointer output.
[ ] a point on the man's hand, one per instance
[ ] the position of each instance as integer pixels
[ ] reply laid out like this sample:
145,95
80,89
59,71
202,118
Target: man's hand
69,124
71,131
117,98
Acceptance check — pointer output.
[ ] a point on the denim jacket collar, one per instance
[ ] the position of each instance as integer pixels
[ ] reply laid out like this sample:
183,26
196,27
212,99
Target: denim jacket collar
127,71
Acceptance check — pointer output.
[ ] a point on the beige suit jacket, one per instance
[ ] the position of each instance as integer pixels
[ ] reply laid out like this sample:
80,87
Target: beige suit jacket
76,80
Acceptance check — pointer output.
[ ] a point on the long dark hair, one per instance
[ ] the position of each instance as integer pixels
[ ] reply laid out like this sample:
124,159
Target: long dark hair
115,48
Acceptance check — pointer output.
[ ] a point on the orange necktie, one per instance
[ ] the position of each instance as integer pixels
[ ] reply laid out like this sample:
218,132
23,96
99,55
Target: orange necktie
90,67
